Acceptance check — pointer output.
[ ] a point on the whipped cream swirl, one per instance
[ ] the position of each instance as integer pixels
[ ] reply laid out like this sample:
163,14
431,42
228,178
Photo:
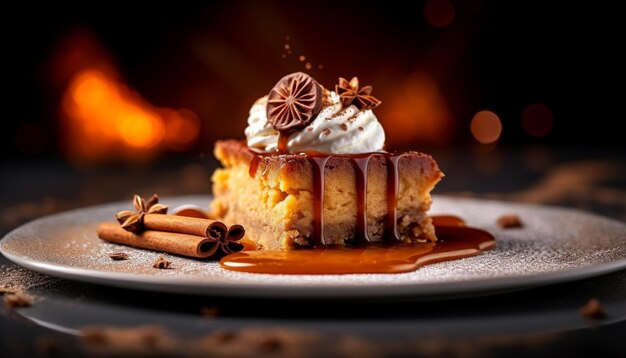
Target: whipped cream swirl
335,130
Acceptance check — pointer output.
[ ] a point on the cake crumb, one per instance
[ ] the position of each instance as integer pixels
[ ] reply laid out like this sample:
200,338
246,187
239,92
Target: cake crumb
222,336
509,221
94,335
7,289
209,311
118,256
49,346
18,299
129,340
593,309
270,344
162,263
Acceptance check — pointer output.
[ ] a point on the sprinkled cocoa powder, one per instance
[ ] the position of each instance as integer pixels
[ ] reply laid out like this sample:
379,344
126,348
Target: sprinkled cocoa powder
18,299
15,279
586,240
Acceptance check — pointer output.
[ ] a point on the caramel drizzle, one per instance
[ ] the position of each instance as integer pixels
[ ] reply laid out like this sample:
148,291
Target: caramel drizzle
319,166
254,165
360,171
393,187
360,163
281,146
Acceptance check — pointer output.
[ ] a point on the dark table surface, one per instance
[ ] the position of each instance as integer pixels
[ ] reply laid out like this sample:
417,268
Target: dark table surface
543,321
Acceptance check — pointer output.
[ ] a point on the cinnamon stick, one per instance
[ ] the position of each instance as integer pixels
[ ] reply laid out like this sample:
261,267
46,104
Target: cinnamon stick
235,233
186,225
172,242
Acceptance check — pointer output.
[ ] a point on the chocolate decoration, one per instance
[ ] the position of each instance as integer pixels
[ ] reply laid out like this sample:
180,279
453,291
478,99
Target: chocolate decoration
294,102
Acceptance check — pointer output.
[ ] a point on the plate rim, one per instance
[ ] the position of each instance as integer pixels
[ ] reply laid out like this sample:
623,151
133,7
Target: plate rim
265,290
186,286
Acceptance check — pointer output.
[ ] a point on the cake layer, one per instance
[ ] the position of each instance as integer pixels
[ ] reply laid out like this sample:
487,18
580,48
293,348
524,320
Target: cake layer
276,202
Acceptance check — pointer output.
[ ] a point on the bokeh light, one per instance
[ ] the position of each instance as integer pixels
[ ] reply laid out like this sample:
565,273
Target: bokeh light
181,129
416,113
537,120
105,119
486,127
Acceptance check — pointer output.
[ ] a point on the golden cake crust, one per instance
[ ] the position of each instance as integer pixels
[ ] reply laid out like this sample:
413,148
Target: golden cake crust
276,205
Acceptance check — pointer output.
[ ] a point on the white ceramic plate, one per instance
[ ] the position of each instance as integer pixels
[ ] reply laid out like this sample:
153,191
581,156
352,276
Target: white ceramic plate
555,245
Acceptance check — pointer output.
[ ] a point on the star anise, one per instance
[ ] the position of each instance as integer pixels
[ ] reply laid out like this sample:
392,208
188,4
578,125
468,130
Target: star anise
350,93
162,263
133,221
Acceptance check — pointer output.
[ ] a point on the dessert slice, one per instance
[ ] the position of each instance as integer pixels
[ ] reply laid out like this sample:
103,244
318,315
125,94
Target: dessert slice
275,196
313,172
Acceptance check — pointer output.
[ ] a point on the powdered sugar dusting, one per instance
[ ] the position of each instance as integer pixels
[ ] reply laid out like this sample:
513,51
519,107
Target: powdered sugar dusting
552,241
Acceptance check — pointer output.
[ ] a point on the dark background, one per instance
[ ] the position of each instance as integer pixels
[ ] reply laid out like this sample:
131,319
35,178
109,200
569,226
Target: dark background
433,71
216,59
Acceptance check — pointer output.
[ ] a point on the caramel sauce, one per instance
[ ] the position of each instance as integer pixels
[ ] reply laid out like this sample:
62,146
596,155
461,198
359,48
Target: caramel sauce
361,165
393,186
283,139
319,165
254,165
454,242
447,220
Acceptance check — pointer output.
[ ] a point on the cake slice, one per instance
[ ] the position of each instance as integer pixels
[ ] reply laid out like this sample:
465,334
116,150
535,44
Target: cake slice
313,172
274,196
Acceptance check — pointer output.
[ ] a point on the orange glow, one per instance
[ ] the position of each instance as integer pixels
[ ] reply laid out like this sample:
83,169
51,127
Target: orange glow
416,113
486,127
438,13
537,120
181,129
105,119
